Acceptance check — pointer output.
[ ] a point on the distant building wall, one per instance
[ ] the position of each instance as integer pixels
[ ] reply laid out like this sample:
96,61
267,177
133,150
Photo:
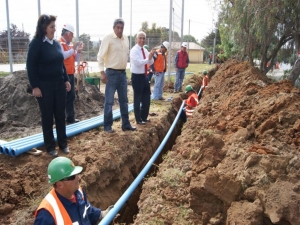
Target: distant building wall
196,55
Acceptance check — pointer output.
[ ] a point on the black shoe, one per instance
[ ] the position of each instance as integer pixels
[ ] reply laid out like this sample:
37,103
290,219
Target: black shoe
73,121
141,122
109,130
128,128
65,150
53,153
146,121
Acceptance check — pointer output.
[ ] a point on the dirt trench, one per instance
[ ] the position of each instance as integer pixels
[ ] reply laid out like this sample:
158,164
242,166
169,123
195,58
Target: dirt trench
236,161
110,161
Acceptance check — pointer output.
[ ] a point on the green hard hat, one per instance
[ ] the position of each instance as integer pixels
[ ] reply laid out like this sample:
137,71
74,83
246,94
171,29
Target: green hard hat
189,88
204,72
60,168
146,47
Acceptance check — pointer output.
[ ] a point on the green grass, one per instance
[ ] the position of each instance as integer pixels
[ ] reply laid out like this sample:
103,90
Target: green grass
196,68
193,67
3,74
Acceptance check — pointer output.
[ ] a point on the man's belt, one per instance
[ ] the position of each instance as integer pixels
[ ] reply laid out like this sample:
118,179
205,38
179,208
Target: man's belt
116,70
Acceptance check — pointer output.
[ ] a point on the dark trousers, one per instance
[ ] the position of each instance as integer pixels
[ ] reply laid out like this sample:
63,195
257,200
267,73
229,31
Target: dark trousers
150,76
70,112
53,102
141,96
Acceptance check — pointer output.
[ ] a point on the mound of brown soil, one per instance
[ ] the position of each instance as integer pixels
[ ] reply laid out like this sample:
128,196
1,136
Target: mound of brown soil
236,160
19,110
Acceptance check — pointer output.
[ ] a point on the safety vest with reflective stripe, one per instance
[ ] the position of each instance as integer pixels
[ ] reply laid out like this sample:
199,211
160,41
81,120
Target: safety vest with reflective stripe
69,62
54,206
191,104
160,63
205,81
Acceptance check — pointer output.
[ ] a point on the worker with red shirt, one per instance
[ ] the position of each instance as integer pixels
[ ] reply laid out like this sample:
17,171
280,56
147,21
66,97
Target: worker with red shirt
181,62
190,104
205,80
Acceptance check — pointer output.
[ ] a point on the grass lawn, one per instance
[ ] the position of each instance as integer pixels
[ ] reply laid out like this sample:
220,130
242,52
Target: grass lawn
3,74
197,67
193,68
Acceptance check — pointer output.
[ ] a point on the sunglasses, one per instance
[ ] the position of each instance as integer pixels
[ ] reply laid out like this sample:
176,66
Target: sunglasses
69,178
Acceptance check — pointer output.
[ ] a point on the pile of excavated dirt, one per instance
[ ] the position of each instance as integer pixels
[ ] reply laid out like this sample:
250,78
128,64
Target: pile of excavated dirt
236,160
110,161
19,110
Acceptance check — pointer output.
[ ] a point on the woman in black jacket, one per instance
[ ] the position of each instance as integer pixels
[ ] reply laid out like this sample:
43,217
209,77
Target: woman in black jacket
49,82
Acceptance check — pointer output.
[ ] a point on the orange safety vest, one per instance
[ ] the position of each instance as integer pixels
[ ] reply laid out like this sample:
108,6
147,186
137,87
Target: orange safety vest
205,82
160,63
69,62
192,103
54,206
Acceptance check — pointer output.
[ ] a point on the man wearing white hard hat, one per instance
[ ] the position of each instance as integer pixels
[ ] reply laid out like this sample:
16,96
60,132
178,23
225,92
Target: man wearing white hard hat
71,54
181,63
159,69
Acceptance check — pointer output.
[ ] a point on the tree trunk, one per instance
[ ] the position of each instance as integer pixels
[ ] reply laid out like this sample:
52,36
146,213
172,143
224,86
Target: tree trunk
295,72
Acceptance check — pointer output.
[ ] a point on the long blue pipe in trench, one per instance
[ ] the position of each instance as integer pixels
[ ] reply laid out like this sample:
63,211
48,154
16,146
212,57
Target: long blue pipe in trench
19,146
122,200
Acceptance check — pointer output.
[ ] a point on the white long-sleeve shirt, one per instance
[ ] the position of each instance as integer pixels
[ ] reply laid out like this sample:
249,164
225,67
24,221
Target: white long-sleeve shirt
137,61
70,52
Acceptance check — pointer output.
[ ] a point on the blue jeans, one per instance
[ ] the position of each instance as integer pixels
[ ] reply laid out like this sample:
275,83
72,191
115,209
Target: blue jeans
158,85
53,102
116,81
179,79
141,94
70,112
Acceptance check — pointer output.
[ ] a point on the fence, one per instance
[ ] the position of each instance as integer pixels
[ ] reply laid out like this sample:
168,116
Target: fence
163,20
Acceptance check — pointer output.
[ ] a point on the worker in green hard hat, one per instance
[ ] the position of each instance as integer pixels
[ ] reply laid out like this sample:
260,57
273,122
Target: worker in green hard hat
66,203
190,104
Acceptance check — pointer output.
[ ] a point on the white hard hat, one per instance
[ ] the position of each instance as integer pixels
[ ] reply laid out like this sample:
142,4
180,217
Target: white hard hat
184,44
68,27
166,44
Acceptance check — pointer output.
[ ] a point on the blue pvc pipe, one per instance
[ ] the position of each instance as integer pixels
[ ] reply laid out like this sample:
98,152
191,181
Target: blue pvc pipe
19,146
122,200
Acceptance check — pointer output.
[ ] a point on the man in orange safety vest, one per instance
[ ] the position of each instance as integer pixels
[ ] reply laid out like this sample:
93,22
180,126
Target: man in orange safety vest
66,203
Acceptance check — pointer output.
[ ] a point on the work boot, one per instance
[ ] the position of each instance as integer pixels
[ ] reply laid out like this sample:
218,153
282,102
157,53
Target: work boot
104,213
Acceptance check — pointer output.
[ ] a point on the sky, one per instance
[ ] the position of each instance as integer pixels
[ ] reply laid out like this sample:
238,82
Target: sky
96,16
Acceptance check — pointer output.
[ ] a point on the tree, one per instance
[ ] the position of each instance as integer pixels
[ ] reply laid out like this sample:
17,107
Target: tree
19,44
189,38
88,45
208,41
259,28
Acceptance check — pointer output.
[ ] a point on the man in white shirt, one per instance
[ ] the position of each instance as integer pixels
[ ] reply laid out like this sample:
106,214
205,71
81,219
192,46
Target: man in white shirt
139,58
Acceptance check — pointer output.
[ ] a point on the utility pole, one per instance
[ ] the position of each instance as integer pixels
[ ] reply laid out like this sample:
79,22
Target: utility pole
39,8
130,24
213,58
77,27
120,8
189,37
182,19
170,41
9,38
